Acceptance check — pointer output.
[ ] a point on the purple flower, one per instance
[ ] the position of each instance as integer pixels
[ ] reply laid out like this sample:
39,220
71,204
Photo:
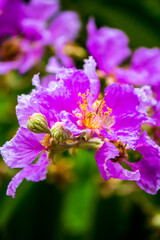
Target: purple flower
26,54
62,30
144,68
149,165
108,46
145,172
56,104
109,158
22,36
32,172
69,109
27,28
126,109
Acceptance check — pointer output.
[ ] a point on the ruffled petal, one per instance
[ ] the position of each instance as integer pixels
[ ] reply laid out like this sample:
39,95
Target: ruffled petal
90,70
106,152
51,101
127,114
22,149
53,65
70,123
108,168
149,166
121,99
126,129
117,171
36,81
39,101
49,81
73,82
33,172
146,99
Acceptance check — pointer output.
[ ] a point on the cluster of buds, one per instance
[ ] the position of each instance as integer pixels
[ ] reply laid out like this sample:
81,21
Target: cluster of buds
37,123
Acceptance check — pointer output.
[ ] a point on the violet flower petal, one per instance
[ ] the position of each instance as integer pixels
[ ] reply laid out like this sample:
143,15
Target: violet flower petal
144,69
149,166
33,172
22,149
108,46
125,104
90,70
64,27
108,168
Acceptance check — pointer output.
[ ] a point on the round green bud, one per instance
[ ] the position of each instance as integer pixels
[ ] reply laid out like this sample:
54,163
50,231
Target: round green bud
59,133
37,123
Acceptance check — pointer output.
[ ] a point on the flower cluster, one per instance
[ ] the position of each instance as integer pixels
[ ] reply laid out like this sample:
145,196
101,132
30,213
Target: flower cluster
67,110
70,115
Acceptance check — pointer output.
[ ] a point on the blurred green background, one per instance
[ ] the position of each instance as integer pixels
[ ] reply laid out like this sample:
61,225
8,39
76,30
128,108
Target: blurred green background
74,202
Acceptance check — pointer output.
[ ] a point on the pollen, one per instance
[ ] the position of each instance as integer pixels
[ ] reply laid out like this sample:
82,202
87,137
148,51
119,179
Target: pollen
95,117
46,142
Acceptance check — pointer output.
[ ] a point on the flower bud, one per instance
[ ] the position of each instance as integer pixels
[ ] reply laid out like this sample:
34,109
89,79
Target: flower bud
59,133
37,123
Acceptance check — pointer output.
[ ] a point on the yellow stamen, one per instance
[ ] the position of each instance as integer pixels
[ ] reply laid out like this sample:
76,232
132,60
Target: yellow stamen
96,119
46,142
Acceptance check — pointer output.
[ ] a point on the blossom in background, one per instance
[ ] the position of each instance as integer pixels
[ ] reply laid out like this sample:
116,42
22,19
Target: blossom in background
144,68
21,34
25,31
69,114
108,46
63,29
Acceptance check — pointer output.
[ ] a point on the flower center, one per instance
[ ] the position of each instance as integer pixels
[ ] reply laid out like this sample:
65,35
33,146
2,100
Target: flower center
96,117
122,151
10,49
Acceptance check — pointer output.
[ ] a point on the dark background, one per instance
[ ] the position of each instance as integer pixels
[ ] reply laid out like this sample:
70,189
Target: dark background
85,208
